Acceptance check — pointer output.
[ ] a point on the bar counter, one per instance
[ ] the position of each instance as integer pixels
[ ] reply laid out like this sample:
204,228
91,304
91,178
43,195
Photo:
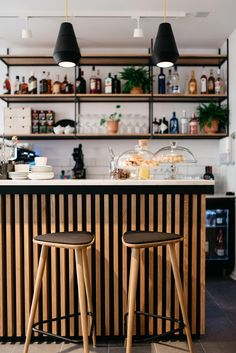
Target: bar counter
108,208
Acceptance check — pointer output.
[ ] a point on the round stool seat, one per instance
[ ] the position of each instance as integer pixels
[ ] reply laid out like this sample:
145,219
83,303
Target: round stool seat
146,237
68,238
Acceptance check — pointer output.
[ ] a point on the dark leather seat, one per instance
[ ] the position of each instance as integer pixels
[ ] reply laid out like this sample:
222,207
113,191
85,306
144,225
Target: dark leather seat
70,238
145,237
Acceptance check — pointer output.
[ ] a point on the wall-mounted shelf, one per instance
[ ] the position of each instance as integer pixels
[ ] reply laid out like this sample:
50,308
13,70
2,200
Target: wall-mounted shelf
37,98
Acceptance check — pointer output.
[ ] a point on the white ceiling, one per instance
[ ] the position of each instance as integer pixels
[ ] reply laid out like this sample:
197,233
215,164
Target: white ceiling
116,32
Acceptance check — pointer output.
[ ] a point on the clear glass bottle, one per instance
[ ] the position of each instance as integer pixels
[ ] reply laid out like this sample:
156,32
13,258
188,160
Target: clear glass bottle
211,83
108,83
169,82
32,86
43,84
174,124
161,82
175,81
184,123
219,83
7,85
192,85
203,82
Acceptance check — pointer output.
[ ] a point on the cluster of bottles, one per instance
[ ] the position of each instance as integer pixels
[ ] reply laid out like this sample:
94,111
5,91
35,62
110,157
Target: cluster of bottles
186,125
42,121
207,85
111,84
218,219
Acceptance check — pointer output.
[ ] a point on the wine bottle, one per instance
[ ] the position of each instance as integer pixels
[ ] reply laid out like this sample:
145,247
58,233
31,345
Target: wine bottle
32,87
43,84
80,83
161,82
116,85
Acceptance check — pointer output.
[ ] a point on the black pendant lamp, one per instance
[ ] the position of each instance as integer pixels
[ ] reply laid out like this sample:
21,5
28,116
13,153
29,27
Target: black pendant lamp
66,52
165,52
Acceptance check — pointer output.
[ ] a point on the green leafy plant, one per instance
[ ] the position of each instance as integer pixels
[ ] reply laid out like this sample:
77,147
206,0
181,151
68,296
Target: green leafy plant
136,77
114,116
212,111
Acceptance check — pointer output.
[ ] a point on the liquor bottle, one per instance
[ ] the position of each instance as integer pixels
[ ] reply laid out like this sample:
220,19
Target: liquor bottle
98,82
108,83
43,85
116,85
64,85
92,82
208,173
175,81
17,85
219,84
56,88
211,83
184,123
174,124
7,85
203,82
49,83
23,86
194,125
169,82
155,126
192,85
161,82
32,87
80,83
219,244
164,126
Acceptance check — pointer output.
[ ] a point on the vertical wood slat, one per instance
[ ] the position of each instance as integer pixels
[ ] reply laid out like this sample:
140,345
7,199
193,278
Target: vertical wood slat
177,249
2,284
116,265
36,249
168,264
45,284
10,270
71,268
142,266
80,228
54,266
62,265
202,264
18,269
133,227
98,264
124,258
159,263
27,262
151,264
106,264
186,250
194,262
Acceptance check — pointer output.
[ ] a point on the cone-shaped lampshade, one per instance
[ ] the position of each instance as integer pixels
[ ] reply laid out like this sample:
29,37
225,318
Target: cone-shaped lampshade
165,52
66,52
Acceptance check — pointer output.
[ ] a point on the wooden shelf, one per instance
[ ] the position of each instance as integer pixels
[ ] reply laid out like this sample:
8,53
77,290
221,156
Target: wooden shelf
190,136
188,97
113,60
24,98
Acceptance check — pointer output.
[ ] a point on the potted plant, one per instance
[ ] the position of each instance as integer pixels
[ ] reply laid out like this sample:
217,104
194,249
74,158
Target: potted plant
212,117
112,121
138,80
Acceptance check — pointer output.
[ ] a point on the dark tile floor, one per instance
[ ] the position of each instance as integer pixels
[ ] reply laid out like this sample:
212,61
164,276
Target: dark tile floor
220,334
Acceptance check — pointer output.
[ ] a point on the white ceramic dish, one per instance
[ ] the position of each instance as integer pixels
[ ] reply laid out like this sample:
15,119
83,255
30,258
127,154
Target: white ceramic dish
42,161
21,168
41,168
19,174
40,176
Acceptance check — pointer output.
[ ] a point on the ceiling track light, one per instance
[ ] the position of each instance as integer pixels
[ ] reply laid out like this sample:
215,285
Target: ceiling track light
165,52
66,52
26,33
138,32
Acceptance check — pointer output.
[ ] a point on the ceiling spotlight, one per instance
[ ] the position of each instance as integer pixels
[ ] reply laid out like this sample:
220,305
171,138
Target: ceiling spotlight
26,33
138,32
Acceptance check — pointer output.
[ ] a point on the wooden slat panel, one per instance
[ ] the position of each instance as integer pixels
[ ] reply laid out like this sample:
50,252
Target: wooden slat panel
98,263
194,262
18,265
168,264
45,284
151,265
177,249
159,263
36,248
202,265
10,269
89,229
186,250
133,227
142,267
124,257
71,268
27,259
2,271
62,265
116,264
106,264
54,265
80,228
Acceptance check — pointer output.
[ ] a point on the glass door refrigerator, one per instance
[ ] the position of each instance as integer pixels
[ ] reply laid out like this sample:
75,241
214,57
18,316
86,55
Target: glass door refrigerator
220,235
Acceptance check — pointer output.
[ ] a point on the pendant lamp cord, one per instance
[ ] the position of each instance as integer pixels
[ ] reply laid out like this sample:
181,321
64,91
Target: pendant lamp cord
164,10
66,10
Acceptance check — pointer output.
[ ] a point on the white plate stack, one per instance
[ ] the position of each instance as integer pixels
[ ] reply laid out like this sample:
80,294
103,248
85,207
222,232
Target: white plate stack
41,171
18,175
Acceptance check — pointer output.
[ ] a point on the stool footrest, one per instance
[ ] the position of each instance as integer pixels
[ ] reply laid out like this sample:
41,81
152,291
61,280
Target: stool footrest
35,329
161,336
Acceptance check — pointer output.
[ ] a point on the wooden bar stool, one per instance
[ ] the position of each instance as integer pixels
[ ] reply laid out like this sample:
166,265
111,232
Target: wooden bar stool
79,241
137,240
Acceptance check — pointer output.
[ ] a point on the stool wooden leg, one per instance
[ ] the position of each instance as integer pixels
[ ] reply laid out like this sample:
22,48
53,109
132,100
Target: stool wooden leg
133,278
179,288
38,282
88,292
82,297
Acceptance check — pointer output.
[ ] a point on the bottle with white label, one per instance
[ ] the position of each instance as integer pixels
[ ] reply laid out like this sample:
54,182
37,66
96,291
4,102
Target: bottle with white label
175,81
108,83
184,123
203,82
219,84
32,87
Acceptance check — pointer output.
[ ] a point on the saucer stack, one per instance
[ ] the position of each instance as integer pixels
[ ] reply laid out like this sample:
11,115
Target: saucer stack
18,175
41,171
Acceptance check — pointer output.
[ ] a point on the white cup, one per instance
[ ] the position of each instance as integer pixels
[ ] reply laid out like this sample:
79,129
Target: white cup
40,160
